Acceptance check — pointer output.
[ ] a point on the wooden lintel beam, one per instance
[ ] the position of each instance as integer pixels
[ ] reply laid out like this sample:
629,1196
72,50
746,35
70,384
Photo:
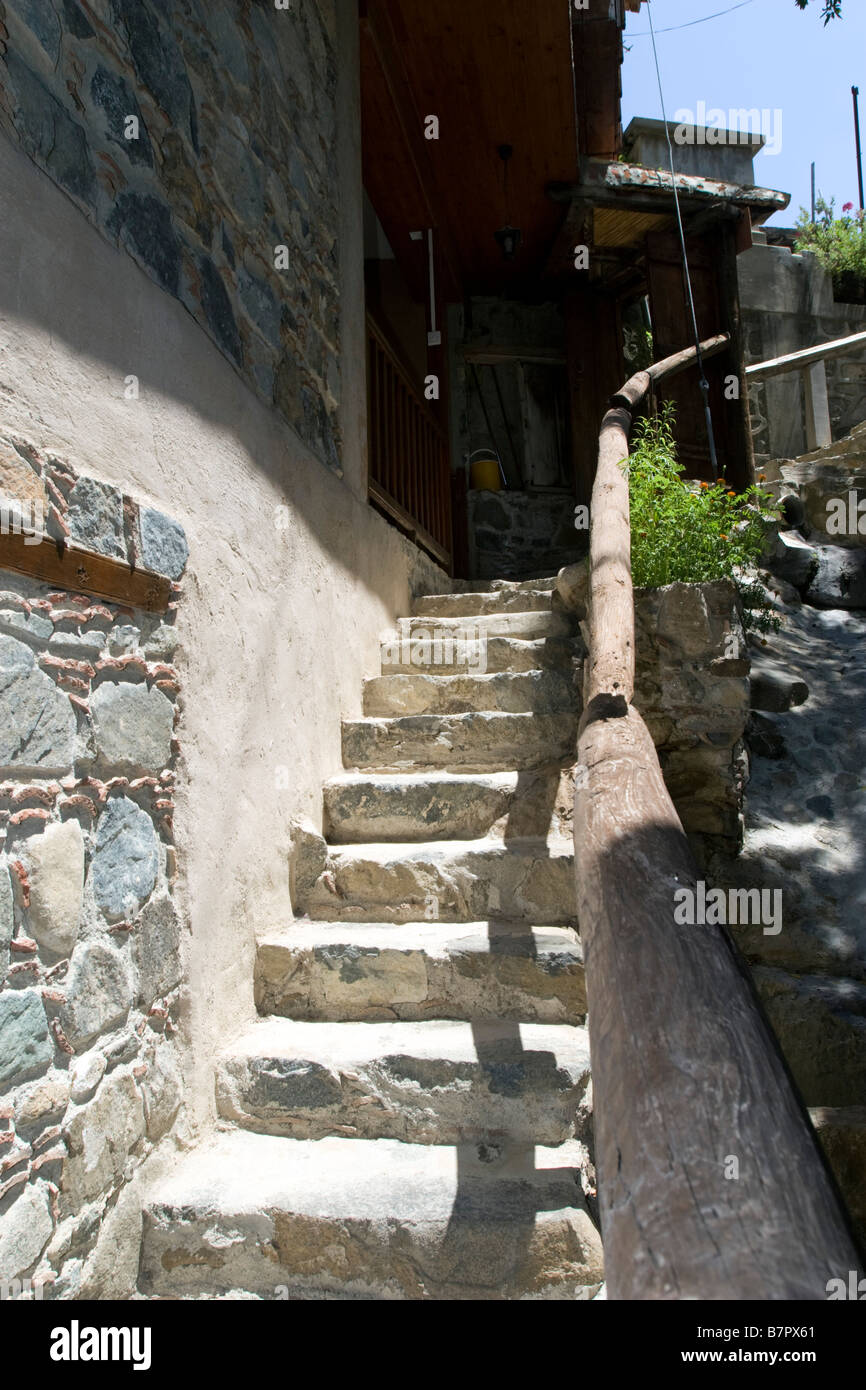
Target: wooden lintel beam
85,571
489,354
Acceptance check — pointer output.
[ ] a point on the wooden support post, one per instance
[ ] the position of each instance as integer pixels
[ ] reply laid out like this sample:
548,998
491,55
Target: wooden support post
819,431
595,367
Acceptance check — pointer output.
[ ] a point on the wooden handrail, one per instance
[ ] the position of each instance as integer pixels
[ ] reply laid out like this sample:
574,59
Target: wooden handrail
811,364
711,1183
796,361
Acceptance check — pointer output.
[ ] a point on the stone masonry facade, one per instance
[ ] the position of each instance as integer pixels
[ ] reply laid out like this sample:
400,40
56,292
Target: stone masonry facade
200,137
90,930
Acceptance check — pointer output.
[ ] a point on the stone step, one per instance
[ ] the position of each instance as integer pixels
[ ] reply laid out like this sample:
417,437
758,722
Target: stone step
496,586
362,807
475,742
377,971
523,600
401,655
370,1220
531,692
434,1082
528,626
447,881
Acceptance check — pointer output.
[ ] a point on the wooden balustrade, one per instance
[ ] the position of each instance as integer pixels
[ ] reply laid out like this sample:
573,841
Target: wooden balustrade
711,1183
409,470
810,363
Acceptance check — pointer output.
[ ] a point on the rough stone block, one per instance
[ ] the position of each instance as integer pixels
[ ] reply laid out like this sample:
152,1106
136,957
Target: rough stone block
133,726
99,1137
41,1100
98,993
95,517
163,1090
25,1046
126,859
37,722
162,543
85,1074
25,1231
156,950
55,863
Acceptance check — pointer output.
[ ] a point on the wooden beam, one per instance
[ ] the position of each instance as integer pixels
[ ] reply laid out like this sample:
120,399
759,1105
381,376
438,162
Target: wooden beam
796,361
84,570
490,354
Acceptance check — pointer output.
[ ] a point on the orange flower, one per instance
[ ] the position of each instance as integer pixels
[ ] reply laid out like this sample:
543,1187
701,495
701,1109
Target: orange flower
762,477
732,494
704,484
723,536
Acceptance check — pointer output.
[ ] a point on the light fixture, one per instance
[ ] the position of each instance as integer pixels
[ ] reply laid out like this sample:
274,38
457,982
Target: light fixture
508,238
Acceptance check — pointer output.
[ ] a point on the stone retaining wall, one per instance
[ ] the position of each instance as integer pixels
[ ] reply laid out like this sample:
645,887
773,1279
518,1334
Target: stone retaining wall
692,688
90,931
201,138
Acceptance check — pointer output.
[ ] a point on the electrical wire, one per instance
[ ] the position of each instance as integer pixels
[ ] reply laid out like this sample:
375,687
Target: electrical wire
672,29
704,384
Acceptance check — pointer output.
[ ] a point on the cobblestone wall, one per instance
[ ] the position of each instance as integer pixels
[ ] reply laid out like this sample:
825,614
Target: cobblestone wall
90,932
200,137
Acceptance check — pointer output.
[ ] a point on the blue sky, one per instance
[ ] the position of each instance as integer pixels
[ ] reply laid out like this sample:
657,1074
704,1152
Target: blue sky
768,54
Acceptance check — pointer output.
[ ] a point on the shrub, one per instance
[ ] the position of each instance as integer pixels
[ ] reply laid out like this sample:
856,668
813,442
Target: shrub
840,245
693,532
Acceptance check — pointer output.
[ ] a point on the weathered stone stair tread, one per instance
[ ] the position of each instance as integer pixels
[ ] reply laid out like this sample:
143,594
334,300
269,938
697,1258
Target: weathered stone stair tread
361,807
344,970
532,625
467,742
498,586
434,1082
499,655
355,1219
526,880
475,604
528,692
405,806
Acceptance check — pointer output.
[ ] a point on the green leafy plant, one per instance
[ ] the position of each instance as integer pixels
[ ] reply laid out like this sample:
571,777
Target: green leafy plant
832,9
840,245
694,532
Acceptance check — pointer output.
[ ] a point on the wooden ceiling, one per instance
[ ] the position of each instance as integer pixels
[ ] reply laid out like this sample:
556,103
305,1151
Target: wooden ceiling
495,72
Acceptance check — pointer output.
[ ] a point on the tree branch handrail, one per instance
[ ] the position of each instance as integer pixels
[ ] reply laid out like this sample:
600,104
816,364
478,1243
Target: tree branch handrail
687,1076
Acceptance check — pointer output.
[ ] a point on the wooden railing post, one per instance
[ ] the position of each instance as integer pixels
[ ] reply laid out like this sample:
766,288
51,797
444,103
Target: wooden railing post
711,1183
819,432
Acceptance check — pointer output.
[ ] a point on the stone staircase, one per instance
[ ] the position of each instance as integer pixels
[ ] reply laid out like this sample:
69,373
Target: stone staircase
409,1117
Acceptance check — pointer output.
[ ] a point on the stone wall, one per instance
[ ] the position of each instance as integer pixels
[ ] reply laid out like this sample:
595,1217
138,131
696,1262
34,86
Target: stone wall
787,303
200,137
521,535
692,688
90,928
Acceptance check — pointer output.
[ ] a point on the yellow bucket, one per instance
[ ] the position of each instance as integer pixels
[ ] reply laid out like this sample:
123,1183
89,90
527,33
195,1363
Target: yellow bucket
484,475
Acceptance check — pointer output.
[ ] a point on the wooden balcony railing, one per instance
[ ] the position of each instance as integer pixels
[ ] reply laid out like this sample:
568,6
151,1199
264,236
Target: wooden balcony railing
811,364
711,1183
409,471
